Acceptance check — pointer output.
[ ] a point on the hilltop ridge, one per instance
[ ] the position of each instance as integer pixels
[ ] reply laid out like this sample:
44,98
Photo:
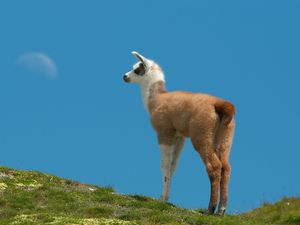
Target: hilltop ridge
29,197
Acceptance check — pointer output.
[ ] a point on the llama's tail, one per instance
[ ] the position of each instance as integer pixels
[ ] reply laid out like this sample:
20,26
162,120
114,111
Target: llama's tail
226,112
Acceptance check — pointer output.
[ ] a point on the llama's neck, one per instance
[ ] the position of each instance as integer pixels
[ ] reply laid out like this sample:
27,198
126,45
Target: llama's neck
149,93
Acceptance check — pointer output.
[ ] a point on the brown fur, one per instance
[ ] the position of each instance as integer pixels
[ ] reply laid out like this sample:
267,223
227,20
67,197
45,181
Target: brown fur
225,110
208,121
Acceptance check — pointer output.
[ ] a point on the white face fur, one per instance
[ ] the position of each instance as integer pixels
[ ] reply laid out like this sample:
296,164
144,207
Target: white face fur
145,72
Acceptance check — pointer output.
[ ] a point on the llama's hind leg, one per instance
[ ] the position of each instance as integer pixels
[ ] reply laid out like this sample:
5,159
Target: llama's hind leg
213,167
225,175
224,152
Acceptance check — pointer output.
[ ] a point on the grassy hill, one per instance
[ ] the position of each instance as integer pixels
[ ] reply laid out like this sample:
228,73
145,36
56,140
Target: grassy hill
28,197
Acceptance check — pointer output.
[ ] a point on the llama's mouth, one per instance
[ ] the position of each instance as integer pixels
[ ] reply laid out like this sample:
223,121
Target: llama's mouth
126,79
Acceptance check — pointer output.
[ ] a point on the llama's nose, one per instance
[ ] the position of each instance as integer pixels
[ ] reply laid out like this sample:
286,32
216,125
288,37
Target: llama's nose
126,78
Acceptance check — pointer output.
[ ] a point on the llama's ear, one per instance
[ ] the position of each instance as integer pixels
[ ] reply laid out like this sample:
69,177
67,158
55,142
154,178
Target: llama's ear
140,57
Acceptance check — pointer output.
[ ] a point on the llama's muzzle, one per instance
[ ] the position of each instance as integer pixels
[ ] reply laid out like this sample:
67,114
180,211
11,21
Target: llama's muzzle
126,78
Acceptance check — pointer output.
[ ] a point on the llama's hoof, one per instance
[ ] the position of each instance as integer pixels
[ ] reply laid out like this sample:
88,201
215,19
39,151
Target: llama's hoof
208,213
221,211
163,198
220,214
211,209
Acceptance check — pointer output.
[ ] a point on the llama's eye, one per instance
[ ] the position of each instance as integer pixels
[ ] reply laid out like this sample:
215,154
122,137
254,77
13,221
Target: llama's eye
140,70
137,70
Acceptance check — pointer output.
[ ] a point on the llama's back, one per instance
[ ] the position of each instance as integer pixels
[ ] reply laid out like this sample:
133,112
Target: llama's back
187,111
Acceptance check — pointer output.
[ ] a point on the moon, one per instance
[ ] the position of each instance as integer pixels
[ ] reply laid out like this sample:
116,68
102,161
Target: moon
39,63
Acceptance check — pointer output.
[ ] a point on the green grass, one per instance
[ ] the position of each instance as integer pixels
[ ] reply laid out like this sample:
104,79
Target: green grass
28,197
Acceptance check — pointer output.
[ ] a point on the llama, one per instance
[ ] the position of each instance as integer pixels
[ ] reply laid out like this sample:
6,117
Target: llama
207,120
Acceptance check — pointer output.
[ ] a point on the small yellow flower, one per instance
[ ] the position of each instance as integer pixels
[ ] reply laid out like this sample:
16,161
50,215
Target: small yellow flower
3,186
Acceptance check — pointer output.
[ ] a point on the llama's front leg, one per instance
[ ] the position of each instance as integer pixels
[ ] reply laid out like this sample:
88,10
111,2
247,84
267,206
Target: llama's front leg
167,154
179,143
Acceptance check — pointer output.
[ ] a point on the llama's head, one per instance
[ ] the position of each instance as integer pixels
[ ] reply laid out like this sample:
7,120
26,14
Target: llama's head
144,72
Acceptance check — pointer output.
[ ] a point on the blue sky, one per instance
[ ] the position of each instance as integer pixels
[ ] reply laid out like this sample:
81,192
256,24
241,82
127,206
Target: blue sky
83,122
